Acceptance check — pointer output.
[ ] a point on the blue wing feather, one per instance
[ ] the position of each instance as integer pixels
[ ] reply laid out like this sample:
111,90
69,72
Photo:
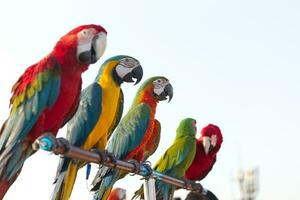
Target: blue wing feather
127,136
130,131
83,121
22,120
86,116
13,152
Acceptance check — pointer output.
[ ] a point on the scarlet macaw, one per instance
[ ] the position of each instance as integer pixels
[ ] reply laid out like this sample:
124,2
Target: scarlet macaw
208,146
46,96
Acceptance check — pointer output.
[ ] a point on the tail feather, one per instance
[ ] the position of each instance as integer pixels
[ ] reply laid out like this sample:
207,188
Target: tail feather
12,160
4,186
164,191
105,183
65,182
139,194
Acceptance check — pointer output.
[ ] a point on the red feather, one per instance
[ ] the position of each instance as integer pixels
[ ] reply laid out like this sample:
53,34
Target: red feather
203,163
61,63
145,97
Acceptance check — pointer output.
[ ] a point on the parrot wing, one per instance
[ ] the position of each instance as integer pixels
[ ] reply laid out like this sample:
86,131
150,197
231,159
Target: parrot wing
130,132
204,174
174,156
83,120
128,135
86,116
36,90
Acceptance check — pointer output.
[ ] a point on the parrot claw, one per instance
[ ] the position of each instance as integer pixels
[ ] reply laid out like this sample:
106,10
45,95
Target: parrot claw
111,158
136,165
187,183
147,170
196,187
62,142
102,156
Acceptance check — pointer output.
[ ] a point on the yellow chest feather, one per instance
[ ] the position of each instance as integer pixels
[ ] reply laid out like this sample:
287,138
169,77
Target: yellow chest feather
110,100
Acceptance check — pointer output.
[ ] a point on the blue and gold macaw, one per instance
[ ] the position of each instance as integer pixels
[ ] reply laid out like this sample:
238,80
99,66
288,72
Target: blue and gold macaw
99,112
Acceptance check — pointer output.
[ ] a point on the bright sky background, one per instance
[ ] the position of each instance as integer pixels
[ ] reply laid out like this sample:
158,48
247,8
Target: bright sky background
233,63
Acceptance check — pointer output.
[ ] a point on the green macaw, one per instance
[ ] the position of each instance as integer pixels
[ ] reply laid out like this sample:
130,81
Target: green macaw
176,160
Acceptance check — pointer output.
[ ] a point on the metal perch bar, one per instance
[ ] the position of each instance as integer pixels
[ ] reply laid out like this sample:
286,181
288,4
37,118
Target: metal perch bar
52,144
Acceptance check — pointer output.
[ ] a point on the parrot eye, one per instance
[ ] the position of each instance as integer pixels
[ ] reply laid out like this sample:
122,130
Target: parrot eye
129,62
214,140
159,85
87,34
194,125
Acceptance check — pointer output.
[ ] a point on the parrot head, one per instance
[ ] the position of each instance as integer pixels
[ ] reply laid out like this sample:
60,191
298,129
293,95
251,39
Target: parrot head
187,127
156,88
117,194
211,138
122,69
82,46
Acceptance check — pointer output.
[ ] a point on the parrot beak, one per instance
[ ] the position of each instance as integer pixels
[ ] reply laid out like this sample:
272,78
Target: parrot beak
90,52
136,73
98,46
206,144
128,73
168,91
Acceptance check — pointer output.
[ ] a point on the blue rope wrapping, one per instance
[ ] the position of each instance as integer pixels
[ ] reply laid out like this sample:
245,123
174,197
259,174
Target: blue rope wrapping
46,143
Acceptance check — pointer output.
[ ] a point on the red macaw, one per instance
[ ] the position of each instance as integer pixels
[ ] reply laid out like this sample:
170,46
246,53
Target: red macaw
46,96
208,146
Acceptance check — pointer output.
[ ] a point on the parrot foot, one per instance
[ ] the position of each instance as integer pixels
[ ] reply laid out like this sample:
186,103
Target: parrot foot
111,158
147,170
196,187
62,143
136,165
102,156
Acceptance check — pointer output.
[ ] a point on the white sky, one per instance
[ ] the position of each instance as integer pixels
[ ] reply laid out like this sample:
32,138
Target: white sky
232,63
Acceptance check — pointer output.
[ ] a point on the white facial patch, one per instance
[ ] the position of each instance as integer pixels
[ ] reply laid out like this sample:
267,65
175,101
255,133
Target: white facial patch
122,70
125,66
84,41
159,85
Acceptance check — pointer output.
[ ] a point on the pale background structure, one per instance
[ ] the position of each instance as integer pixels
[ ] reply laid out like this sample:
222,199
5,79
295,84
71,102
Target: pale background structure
232,63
